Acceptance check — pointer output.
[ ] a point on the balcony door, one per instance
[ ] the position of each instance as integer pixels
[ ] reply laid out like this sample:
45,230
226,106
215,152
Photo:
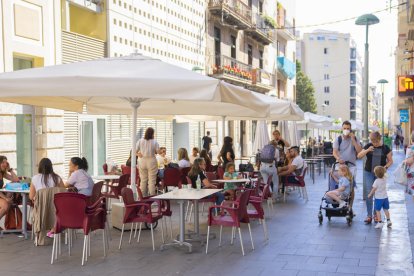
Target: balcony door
217,46
93,142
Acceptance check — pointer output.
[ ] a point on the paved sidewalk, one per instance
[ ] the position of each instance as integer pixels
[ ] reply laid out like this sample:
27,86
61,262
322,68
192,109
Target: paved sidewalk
298,246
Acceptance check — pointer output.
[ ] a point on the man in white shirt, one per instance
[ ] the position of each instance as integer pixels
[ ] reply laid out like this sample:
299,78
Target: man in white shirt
294,168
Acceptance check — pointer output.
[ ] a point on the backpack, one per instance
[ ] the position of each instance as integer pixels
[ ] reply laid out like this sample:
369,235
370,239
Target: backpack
267,154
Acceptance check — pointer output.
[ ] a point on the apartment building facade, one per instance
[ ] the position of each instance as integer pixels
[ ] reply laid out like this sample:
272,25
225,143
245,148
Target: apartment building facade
402,108
331,61
247,45
30,32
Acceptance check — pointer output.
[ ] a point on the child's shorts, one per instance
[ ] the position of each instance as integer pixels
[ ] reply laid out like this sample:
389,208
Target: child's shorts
381,203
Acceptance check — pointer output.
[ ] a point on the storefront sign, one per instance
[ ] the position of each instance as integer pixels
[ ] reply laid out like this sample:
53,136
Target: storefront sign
404,116
406,86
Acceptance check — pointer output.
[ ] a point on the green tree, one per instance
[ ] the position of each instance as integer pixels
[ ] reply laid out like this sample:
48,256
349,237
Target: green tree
305,93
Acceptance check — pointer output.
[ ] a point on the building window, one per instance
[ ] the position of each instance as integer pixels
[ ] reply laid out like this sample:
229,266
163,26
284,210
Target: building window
115,38
353,53
249,54
353,115
325,51
352,104
217,45
353,79
326,102
260,59
353,66
260,7
326,89
326,76
233,46
353,91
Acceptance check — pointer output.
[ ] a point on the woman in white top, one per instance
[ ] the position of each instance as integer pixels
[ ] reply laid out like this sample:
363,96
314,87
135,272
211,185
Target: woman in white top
147,148
183,160
195,154
79,177
45,179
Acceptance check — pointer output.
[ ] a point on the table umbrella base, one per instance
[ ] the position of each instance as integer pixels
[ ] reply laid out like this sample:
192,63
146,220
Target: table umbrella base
179,244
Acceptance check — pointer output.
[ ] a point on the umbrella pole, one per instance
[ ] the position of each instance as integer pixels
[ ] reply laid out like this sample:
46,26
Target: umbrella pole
223,122
134,148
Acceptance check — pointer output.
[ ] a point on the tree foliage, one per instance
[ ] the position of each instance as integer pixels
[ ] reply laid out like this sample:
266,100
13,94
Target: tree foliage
305,93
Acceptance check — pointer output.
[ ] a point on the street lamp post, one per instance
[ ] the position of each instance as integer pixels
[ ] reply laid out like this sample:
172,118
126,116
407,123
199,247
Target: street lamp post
366,20
382,82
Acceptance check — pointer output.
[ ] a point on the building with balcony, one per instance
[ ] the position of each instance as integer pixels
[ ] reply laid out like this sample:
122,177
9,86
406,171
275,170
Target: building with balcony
331,61
241,49
286,50
404,66
30,32
374,106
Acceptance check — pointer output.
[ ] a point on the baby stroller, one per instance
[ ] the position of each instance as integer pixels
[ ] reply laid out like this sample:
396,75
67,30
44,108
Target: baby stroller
331,207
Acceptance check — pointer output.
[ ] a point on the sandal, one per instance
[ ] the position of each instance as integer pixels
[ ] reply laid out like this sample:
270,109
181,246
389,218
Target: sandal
368,220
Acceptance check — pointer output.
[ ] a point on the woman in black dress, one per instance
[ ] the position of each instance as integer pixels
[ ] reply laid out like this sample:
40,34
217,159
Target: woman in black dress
227,153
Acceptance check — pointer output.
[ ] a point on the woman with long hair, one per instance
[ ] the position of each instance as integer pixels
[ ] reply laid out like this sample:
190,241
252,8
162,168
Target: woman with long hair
198,171
7,173
147,149
183,159
227,153
46,178
79,177
204,154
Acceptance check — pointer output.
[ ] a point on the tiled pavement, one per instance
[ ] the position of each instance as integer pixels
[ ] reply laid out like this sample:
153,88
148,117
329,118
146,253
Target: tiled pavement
298,246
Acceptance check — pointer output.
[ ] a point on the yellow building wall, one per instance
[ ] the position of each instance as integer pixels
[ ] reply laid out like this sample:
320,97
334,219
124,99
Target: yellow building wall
88,23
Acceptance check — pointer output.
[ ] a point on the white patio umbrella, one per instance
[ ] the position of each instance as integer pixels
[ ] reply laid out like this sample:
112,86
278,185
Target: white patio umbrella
137,84
261,137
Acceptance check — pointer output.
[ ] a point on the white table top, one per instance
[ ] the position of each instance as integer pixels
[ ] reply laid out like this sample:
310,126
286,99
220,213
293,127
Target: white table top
15,191
187,194
241,180
106,177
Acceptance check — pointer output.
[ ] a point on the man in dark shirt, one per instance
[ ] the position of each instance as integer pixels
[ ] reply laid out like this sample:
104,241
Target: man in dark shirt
207,143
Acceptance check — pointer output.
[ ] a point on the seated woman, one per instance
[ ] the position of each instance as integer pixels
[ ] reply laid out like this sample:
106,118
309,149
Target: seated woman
194,154
198,171
204,154
8,173
46,178
79,177
183,160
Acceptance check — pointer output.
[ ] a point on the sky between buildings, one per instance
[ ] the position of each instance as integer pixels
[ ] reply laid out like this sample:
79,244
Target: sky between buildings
382,37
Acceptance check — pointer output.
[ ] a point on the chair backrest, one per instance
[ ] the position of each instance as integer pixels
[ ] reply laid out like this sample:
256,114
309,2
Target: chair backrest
172,177
211,176
127,196
105,168
243,200
304,172
123,181
220,172
70,210
184,171
96,192
125,169
266,192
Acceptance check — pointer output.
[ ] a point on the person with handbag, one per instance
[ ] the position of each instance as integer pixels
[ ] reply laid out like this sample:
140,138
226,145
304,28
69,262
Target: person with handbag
7,173
377,154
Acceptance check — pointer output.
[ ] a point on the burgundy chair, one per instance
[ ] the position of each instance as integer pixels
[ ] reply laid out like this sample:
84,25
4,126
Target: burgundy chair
105,168
72,212
220,172
299,182
139,212
96,193
172,177
115,190
236,214
165,209
258,211
125,169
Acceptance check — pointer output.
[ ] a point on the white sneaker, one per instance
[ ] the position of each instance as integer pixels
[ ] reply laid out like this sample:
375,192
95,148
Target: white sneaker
389,223
341,204
379,225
